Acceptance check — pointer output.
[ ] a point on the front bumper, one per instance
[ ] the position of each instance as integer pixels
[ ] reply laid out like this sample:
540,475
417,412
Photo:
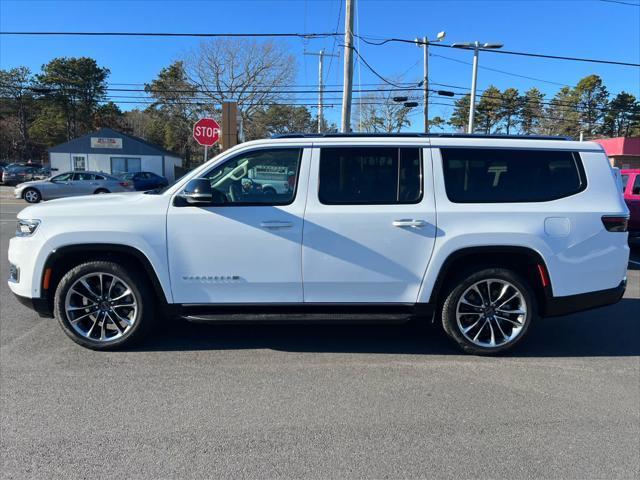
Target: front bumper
556,306
40,305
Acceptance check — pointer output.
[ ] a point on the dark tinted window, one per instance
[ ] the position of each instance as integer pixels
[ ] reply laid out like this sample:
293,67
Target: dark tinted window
625,179
84,176
370,175
500,175
636,186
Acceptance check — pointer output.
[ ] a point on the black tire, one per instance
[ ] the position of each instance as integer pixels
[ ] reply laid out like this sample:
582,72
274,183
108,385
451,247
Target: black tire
101,190
459,287
140,292
31,195
269,191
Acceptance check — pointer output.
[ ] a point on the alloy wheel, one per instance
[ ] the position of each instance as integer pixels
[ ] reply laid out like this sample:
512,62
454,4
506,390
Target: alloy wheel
491,313
101,307
31,196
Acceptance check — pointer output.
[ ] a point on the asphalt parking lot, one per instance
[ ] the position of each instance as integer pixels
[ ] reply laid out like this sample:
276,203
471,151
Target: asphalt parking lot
198,401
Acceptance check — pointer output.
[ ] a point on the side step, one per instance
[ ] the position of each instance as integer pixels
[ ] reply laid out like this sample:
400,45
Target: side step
299,318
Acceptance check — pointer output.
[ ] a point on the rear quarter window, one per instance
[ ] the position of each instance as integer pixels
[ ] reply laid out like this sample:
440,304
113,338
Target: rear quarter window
486,175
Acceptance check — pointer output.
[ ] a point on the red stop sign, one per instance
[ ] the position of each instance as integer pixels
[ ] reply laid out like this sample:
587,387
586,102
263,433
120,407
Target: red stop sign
206,131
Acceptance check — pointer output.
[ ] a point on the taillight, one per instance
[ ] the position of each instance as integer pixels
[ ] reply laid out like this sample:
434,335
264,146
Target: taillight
124,184
615,223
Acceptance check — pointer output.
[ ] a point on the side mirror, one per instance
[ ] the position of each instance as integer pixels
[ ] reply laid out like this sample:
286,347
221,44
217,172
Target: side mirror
198,192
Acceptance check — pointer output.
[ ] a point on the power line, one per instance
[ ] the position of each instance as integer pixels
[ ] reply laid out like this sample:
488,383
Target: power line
172,34
373,70
503,71
333,48
314,36
510,52
197,94
621,3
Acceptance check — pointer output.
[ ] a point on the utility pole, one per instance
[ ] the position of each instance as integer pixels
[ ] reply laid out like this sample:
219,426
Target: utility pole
320,56
347,90
425,84
476,46
474,79
424,43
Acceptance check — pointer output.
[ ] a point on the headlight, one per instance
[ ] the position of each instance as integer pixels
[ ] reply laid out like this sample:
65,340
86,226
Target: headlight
26,228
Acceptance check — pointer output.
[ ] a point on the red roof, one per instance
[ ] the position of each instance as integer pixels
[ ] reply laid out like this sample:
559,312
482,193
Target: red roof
620,146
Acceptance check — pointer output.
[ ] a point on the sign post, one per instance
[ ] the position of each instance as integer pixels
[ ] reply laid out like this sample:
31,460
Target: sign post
206,132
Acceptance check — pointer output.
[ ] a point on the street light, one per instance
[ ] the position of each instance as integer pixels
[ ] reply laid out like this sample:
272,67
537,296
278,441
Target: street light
424,43
476,46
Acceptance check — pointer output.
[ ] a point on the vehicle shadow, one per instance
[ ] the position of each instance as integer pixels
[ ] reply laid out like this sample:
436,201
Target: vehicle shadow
610,331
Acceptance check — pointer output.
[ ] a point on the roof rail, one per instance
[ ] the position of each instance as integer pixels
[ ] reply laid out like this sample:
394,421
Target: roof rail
416,135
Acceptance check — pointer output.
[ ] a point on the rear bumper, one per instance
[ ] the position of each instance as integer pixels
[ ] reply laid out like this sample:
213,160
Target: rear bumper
40,305
556,306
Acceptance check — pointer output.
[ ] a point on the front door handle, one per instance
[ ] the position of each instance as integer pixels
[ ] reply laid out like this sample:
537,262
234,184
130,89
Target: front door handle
274,224
409,222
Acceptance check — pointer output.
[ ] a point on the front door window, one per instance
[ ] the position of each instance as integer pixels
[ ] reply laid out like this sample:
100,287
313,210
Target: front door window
262,177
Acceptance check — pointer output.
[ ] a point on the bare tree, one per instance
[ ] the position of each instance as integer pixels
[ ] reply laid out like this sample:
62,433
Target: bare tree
252,73
379,113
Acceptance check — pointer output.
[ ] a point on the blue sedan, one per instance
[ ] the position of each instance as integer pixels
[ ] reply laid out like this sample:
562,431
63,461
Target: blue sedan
145,180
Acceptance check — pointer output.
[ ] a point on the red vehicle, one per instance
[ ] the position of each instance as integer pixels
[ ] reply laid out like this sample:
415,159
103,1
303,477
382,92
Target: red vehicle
631,190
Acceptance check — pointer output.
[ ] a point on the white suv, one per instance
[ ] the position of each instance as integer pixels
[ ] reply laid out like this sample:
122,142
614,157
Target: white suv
482,234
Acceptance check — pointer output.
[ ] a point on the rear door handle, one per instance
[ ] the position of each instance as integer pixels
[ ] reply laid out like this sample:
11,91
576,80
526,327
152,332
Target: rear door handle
274,224
409,222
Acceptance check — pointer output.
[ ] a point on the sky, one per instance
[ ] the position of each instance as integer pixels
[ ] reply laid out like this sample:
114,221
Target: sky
578,28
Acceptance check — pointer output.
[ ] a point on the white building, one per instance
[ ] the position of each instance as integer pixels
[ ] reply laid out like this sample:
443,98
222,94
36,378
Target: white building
110,151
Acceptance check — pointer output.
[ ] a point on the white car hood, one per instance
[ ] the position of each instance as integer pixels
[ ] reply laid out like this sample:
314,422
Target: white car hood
91,205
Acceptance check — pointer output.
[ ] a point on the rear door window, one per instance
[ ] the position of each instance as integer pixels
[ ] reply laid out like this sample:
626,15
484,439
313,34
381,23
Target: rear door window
486,175
370,176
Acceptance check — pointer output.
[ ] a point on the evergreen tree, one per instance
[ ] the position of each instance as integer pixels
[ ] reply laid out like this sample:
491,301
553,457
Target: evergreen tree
622,118
532,111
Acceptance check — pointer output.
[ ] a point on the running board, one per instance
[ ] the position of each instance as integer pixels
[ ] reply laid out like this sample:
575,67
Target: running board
299,318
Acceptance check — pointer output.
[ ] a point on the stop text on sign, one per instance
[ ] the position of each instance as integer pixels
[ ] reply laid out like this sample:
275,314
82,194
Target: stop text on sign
206,131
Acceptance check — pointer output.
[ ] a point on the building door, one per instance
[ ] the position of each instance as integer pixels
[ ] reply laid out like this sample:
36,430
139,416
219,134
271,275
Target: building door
79,163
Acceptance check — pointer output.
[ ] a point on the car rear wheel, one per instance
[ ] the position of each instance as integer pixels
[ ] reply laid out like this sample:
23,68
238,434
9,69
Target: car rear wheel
101,305
32,195
100,191
488,311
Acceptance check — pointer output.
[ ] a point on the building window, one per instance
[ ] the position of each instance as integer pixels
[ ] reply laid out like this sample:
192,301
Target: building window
125,165
79,163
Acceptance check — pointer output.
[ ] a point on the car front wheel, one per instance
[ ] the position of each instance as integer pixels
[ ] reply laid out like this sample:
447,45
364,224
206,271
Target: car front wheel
101,305
488,311
31,195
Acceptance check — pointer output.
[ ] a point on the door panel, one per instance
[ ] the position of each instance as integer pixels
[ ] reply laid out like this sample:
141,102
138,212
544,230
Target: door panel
238,254
366,253
59,186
